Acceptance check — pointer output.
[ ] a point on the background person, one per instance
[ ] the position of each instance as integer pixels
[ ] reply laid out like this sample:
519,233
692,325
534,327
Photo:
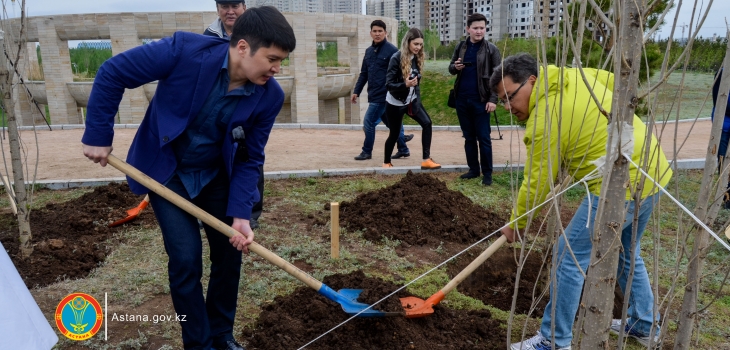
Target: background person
228,12
576,142
374,66
473,63
725,137
404,95
209,89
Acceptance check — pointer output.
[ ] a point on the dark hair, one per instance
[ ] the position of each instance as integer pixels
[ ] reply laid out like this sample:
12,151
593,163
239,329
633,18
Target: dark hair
476,17
378,23
518,67
263,27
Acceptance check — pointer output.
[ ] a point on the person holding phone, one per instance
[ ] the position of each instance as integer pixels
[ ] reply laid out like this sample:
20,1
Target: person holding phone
473,62
404,95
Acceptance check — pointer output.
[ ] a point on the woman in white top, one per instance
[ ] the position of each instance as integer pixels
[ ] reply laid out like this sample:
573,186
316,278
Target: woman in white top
404,96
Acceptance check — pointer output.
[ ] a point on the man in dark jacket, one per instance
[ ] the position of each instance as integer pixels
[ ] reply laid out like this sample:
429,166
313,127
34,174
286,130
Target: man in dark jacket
473,62
374,66
203,136
725,138
228,12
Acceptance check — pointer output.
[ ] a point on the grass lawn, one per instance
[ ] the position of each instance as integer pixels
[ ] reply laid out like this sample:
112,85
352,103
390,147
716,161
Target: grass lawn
135,277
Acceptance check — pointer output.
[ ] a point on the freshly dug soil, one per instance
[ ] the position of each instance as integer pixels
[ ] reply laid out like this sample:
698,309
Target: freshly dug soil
493,283
419,210
293,320
72,238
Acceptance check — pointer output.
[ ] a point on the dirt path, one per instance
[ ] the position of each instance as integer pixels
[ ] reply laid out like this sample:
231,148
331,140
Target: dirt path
313,149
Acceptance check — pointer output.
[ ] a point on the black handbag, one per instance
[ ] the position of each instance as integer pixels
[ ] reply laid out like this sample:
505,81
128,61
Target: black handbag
452,99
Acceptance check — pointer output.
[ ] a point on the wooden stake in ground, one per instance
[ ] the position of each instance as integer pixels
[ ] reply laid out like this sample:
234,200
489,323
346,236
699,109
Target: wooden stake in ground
335,229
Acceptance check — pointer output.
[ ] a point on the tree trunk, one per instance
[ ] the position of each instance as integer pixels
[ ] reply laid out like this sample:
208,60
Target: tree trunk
707,209
597,304
6,79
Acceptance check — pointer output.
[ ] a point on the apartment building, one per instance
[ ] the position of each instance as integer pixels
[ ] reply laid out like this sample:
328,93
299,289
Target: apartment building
313,6
513,18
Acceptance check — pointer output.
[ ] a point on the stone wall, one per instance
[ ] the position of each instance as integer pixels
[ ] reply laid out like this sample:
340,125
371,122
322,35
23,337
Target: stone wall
311,97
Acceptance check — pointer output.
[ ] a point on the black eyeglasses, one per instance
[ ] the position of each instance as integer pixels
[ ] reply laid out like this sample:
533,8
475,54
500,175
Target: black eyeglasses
512,95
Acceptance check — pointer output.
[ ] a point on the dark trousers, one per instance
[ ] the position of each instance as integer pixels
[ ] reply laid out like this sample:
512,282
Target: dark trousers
721,161
475,128
208,320
394,118
258,207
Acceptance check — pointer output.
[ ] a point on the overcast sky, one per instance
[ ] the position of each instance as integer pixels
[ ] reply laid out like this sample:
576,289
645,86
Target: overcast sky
715,22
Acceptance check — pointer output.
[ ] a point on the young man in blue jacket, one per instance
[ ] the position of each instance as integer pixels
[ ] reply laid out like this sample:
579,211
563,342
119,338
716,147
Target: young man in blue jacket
374,67
725,136
203,136
228,13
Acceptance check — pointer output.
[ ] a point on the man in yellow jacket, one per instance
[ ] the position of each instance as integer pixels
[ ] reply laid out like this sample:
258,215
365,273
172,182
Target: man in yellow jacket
565,128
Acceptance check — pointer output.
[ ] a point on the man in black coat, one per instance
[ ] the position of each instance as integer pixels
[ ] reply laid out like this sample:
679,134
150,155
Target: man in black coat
473,62
374,66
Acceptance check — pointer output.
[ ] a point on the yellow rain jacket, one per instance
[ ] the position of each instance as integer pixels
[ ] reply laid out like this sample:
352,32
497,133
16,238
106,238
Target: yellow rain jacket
582,133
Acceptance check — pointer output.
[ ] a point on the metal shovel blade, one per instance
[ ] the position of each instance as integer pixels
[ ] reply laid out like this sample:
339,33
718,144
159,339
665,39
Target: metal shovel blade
132,213
417,307
347,298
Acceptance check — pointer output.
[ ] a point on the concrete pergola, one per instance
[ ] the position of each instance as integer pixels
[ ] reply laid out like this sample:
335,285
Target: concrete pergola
312,95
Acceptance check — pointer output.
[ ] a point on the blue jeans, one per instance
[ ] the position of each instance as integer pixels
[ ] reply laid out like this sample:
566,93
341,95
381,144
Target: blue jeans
570,280
475,128
372,118
208,321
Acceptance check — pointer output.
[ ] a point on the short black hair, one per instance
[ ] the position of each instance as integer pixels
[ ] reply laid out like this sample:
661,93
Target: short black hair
476,17
378,23
263,27
518,67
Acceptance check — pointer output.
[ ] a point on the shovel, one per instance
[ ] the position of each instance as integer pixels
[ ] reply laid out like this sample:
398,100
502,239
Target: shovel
133,213
347,298
416,307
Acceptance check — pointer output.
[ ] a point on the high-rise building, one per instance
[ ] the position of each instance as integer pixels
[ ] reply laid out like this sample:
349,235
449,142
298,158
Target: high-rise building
513,18
397,9
330,6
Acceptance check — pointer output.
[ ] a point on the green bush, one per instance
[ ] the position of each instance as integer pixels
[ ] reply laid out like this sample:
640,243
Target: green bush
86,61
707,54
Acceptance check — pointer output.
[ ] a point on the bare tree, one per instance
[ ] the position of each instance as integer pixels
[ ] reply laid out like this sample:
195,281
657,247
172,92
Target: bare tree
7,60
706,209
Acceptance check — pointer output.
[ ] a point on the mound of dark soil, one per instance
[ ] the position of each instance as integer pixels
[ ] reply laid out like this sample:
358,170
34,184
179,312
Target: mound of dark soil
494,281
70,238
420,210
294,320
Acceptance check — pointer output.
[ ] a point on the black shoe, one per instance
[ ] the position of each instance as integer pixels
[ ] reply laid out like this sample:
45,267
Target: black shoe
400,154
254,223
230,345
364,156
487,180
408,137
469,175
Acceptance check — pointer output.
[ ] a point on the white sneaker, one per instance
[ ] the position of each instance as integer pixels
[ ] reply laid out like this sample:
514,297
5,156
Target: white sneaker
631,333
537,342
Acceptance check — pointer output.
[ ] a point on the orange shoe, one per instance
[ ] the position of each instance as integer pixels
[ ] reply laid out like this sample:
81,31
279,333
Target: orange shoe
387,165
429,164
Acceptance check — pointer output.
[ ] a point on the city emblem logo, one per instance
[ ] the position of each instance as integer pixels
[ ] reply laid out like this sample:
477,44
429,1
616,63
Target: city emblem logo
79,316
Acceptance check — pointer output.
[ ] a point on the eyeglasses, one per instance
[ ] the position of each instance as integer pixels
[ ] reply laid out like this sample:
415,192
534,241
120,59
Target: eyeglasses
512,95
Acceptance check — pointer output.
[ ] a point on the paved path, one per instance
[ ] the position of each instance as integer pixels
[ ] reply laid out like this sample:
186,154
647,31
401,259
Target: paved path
315,149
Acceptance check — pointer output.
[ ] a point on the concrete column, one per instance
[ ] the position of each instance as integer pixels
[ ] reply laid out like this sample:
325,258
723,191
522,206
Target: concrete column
123,34
358,44
23,106
57,72
343,51
329,111
303,67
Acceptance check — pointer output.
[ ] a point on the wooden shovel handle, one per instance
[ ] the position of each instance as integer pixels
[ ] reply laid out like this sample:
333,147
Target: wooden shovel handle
474,264
193,210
